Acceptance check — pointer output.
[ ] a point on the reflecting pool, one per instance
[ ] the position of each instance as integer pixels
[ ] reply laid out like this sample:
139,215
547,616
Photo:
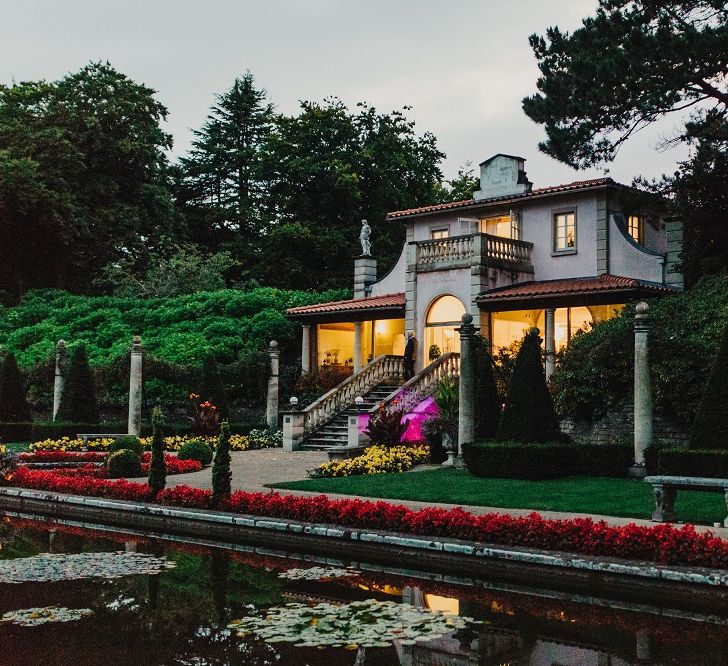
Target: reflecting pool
77,594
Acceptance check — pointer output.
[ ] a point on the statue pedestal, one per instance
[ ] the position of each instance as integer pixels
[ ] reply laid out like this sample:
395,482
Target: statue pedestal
365,274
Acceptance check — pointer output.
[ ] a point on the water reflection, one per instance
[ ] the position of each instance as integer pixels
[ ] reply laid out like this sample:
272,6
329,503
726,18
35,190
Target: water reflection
181,616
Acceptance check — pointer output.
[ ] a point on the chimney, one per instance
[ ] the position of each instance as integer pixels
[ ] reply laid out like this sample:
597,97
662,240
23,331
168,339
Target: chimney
502,176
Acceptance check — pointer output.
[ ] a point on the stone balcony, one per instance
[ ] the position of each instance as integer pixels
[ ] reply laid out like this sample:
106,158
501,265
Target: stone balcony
472,250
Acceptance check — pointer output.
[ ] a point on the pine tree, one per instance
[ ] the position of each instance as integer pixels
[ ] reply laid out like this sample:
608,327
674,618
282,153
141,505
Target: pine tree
710,427
78,402
14,407
529,411
157,467
487,402
211,386
222,475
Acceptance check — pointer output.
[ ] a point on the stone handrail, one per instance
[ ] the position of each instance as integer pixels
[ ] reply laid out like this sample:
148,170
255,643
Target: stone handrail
508,249
342,396
422,385
457,248
472,248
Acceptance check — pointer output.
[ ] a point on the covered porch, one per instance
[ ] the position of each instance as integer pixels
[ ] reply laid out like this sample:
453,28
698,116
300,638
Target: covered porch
346,335
558,308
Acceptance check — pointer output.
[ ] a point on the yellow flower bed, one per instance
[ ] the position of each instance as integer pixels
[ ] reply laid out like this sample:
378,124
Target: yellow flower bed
375,460
237,442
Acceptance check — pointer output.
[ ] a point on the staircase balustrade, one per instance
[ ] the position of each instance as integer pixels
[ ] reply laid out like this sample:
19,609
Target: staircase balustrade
341,397
422,385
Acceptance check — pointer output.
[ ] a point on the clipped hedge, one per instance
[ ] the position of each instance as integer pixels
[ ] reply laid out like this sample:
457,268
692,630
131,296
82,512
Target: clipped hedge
552,460
693,462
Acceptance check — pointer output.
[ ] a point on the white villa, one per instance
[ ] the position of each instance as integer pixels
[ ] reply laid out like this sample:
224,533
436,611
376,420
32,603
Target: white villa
558,258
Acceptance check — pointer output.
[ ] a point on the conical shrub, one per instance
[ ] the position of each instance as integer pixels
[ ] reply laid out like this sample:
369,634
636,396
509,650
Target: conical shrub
14,407
222,475
157,467
710,427
78,402
487,401
529,414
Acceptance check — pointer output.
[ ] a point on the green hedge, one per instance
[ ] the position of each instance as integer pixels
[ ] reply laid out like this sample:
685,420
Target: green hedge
687,462
515,460
35,432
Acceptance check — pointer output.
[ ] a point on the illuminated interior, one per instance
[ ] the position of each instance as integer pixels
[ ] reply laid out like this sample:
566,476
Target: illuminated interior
564,232
508,327
335,344
505,226
383,336
635,226
443,318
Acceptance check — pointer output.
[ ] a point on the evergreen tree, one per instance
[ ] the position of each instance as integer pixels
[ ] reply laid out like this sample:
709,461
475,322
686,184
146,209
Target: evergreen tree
487,402
211,386
529,414
157,467
222,475
223,187
78,402
14,407
710,427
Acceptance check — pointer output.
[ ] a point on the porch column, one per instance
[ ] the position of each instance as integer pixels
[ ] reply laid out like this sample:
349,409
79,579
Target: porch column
306,348
642,390
550,316
466,399
357,346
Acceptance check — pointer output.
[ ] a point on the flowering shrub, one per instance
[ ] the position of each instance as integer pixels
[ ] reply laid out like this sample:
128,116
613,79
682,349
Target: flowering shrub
257,439
375,460
206,416
659,543
174,464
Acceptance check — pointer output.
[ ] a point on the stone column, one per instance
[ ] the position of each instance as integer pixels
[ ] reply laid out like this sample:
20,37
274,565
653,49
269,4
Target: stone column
58,381
365,274
549,341
357,346
466,404
135,388
306,348
293,423
271,411
642,390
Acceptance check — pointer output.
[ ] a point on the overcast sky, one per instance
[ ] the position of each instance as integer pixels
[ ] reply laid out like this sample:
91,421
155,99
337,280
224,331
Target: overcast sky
462,65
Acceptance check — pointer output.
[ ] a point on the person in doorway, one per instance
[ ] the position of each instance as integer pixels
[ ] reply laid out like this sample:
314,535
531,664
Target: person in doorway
410,355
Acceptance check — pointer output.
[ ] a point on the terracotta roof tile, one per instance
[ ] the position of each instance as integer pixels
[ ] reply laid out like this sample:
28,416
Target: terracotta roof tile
468,203
569,286
389,301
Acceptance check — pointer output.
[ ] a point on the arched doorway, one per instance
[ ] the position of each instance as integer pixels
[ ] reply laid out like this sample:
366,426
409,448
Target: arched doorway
443,317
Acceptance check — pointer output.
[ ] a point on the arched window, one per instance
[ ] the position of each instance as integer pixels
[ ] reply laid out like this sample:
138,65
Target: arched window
443,317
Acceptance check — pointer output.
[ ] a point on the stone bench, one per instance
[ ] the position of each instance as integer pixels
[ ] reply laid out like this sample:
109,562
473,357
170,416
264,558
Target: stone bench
666,487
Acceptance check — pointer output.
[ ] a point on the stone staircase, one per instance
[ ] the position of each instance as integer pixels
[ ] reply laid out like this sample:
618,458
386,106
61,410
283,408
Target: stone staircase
334,433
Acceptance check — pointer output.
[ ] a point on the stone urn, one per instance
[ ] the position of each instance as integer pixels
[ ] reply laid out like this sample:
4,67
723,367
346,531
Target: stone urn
450,445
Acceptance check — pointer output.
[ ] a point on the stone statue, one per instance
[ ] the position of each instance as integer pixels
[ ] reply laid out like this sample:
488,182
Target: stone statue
366,232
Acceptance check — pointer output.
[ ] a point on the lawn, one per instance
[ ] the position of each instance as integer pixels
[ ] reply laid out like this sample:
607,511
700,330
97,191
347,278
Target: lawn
604,496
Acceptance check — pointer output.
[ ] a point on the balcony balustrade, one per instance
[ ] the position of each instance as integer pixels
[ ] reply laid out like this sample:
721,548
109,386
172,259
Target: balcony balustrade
472,249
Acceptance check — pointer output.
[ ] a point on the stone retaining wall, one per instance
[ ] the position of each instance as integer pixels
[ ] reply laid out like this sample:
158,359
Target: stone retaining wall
692,586
618,428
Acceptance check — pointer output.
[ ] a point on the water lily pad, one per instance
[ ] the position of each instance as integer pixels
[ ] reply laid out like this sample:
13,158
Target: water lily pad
32,617
317,573
369,623
53,567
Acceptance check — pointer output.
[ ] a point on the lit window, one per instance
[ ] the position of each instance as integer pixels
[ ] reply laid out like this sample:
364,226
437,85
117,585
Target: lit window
437,234
565,232
497,226
635,227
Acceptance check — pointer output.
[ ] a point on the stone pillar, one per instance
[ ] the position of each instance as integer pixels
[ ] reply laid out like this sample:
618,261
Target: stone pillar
271,411
642,390
550,342
135,388
292,430
357,346
306,348
466,405
365,274
674,235
58,381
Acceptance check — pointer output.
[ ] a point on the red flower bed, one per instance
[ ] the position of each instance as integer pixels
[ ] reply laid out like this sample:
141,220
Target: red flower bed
62,456
174,464
81,485
659,543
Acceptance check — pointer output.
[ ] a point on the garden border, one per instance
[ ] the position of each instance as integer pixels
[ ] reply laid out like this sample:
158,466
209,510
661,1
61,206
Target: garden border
694,586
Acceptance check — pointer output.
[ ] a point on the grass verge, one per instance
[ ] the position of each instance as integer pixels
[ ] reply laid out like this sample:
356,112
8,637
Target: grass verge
602,496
